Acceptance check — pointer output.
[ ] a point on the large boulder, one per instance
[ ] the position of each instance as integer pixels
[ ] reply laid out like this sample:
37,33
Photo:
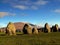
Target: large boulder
47,28
34,31
55,28
10,30
27,29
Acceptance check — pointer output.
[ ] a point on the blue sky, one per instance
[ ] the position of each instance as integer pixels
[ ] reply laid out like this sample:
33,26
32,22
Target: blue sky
33,11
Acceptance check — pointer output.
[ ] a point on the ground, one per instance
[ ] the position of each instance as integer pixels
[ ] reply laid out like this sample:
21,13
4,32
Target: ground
52,38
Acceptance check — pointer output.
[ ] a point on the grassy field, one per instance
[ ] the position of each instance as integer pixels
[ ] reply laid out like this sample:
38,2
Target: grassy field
25,39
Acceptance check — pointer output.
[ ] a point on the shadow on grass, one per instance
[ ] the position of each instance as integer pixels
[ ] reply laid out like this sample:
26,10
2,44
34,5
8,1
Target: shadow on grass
19,34
8,35
2,34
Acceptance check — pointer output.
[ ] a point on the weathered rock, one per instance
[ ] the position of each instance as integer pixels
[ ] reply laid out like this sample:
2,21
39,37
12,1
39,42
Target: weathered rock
47,28
27,29
55,28
10,30
34,31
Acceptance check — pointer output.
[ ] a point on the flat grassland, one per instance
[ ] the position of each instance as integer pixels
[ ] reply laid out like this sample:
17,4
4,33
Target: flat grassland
52,38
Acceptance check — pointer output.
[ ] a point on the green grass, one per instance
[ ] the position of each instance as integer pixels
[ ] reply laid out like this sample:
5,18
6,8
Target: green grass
25,39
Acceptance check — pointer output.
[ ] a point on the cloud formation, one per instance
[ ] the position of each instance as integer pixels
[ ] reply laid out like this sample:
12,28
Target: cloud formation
57,10
25,4
34,7
2,14
21,7
24,14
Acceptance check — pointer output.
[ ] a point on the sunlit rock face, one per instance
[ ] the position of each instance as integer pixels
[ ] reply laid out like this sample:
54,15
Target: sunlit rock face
27,29
34,31
55,28
10,30
47,28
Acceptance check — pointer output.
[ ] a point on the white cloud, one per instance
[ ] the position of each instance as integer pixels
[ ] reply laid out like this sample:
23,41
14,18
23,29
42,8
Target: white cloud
23,14
21,7
2,14
57,10
34,7
41,2
25,4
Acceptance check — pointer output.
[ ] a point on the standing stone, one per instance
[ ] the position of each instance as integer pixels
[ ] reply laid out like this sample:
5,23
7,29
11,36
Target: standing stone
56,27
27,29
47,28
10,30
34,31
